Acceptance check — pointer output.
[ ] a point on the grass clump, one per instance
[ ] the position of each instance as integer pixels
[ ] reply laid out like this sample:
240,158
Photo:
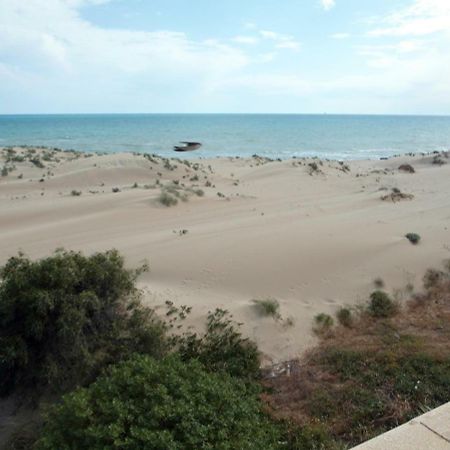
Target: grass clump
322,323
167,199
381,305
414,238
75,193
268,307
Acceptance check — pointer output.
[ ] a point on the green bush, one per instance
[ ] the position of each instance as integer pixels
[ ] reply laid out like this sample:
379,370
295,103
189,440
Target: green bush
414,238
381,305
167,199
168,404
322,323
344,316
64,317
221,348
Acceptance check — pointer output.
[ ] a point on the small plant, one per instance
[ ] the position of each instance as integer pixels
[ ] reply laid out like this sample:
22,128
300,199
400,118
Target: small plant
4,171
414,238
381,305
37,162
378,283
322,323
407,168
167,199
313,168
75,193
199,192
344,316
135,186
268,307
194,178
115,190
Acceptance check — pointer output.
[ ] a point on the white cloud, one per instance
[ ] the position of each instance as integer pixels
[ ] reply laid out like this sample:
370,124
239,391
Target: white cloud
248,40
40,33
422,17
283,41
340,36
327,5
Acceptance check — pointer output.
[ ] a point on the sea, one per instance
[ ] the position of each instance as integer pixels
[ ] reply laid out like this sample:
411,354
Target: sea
271,135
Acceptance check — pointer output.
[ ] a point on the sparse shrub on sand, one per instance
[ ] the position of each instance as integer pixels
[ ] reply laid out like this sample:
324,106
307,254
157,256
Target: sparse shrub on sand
381,305
4,171
396,196
268,307
438,161
344,317
322,323
378,283
115,190
75,193
414,238
407,168
221,348
167,199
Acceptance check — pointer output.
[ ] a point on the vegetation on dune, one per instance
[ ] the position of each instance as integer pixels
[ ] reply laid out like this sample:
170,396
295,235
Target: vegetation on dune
268,307
73,325
65,317
414,238
391,365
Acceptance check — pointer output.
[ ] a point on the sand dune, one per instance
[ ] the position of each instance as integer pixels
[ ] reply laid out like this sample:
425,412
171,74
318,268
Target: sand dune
312,234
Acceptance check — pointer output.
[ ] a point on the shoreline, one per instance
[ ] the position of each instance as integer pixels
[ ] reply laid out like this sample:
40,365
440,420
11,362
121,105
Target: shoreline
314,234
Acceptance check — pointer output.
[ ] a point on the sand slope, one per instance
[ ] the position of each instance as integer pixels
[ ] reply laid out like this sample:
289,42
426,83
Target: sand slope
313,239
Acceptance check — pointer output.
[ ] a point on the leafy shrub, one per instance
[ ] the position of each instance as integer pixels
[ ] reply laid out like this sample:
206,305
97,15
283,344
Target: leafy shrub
344,316
268,307
221,348
381,305
115,190
75,193
322,323
414,238
167,199
168,404
64,317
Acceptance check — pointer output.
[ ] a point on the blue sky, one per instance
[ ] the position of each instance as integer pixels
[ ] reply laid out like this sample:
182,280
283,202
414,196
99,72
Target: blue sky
282,56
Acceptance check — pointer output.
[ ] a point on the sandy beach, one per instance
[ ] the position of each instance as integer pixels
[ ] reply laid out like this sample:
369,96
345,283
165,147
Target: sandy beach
314,235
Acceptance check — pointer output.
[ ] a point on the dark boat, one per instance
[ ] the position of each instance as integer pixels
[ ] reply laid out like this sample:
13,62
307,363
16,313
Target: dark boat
187,146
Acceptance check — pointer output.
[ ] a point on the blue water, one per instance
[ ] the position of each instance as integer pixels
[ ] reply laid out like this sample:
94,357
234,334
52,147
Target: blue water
272,135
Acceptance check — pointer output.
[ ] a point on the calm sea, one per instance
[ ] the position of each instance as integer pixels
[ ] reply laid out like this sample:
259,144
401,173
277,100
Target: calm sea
272,135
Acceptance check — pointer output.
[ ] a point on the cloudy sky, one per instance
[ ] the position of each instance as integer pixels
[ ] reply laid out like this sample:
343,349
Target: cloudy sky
293,56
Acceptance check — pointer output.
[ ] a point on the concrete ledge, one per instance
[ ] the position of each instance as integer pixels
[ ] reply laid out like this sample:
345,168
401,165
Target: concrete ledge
426,432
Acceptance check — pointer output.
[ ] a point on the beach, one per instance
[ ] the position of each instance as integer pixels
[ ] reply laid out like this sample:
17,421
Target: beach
312,234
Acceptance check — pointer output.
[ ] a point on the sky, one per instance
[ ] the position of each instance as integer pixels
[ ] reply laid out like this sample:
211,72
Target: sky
230,56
